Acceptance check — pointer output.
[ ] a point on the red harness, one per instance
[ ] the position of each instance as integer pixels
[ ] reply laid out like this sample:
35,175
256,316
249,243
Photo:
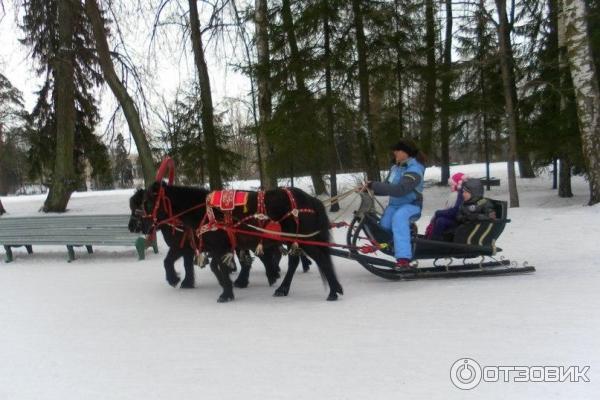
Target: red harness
227,200
162,201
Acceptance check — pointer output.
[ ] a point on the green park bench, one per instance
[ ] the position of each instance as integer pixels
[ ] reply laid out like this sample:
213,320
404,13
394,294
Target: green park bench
71,231
490,182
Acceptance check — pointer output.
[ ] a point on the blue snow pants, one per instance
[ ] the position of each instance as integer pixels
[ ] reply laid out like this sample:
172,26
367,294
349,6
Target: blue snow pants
397,219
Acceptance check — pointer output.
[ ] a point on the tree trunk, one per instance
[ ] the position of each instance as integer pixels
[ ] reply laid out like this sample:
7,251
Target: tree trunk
557,40
130,110
585,83
305,98
446,79
481,26
506,65
525,165
253,93
554,173
521,153
430,83
63,179
263,76
3,185
208,119
564,178
376,99
365,131
329,113
399,70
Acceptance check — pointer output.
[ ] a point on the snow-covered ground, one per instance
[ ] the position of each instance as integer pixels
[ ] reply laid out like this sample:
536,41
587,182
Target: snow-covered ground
109,327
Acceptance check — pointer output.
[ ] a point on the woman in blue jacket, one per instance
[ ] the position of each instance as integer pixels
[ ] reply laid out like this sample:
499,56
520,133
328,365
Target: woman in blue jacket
404,185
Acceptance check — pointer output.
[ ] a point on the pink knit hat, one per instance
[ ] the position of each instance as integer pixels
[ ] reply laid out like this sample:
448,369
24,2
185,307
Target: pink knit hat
456,181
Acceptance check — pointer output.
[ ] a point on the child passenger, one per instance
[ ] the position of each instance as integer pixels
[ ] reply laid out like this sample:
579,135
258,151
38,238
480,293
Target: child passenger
475,207
445,220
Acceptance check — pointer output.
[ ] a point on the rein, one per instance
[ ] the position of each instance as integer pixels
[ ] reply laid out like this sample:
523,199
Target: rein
294,239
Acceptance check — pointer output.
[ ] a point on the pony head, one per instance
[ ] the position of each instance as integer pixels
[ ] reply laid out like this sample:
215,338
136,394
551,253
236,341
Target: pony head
141,205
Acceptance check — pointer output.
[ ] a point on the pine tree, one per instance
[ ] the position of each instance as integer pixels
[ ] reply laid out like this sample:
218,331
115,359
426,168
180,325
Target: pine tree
478,81
65,115
263,79
12,127
430,81
183,139
365,131
548,107
123,169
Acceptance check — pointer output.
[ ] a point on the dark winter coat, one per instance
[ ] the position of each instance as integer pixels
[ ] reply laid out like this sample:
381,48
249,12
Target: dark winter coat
476,210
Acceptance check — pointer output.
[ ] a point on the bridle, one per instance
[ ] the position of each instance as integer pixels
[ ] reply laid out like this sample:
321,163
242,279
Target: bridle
162,202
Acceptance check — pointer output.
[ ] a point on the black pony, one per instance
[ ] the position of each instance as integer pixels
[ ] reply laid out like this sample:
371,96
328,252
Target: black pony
179,246
179,241
185,201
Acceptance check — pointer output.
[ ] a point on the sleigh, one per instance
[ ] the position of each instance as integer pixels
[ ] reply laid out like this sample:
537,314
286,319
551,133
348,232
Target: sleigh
469,251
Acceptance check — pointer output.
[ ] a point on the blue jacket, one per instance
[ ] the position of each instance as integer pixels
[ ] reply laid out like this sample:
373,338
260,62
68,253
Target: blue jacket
404,184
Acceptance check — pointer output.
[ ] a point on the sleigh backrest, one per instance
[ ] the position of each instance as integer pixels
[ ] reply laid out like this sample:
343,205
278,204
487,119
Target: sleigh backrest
484,233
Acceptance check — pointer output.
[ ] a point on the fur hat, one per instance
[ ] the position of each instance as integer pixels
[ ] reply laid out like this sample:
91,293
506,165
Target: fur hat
456,181
407,146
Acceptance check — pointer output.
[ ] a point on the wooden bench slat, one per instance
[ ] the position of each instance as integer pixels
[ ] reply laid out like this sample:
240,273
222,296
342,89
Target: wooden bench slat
70,231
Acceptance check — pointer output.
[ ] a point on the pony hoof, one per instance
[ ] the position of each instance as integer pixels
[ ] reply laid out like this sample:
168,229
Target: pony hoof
173,279
332,297
225,298
240,284
272,280
305,269
281,292
187,285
